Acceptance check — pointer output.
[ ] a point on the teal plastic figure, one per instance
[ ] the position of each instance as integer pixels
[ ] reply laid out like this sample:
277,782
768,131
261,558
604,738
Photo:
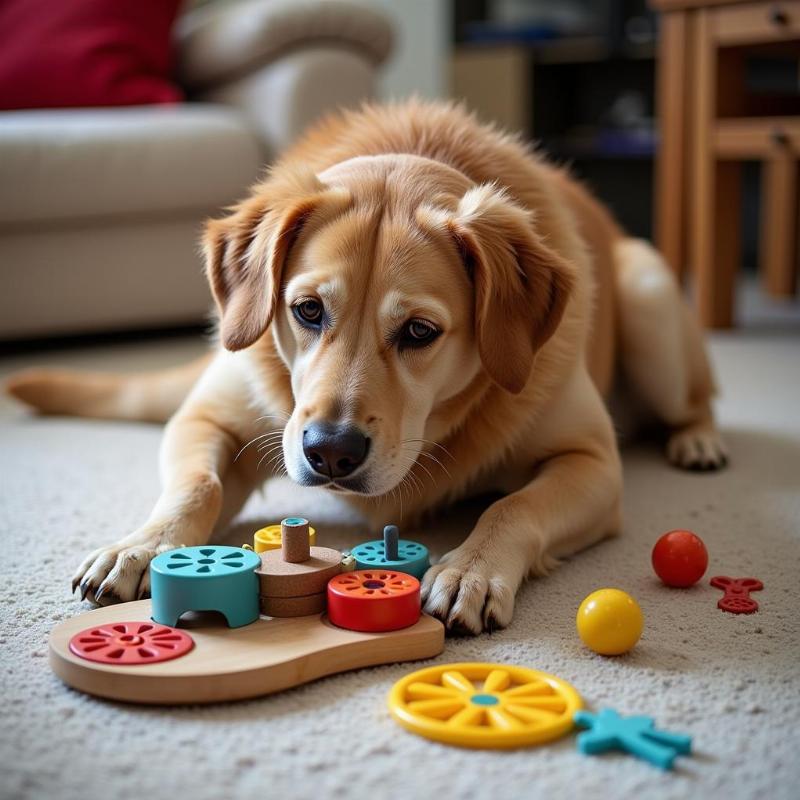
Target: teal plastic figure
635,735
210,578
393,553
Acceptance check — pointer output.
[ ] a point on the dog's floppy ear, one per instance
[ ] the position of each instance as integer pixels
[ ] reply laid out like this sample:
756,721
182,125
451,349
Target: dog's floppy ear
246,252
521,285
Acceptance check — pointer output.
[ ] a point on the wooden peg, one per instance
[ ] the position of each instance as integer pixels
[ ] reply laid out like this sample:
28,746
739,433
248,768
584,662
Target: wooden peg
295,546
391,536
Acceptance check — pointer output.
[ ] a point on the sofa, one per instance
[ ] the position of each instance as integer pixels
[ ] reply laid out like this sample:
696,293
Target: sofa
101,209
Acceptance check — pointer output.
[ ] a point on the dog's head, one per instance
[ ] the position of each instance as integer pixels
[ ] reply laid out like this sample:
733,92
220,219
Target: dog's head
390,285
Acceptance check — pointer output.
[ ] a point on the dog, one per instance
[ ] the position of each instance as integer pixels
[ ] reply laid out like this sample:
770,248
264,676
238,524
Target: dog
413,307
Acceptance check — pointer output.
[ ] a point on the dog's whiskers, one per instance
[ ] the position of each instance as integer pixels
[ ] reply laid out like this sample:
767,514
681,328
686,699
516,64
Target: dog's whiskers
436,461
400,498
283,415
411,479
432,444
270,442
276,463
417,462
271,449
255,439
269,452
252,441
412,482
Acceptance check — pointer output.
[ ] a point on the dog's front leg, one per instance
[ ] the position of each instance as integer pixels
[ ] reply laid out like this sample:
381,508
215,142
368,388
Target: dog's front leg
571,503
198,471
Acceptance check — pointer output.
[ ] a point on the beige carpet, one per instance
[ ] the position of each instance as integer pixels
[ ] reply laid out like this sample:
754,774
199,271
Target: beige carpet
732,682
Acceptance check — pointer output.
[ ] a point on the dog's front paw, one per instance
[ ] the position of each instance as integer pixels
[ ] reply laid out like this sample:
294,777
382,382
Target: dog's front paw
698,448
120,572
468,594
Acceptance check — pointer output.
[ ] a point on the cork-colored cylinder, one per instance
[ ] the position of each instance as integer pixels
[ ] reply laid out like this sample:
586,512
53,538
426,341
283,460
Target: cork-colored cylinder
295,546
293,606
391,536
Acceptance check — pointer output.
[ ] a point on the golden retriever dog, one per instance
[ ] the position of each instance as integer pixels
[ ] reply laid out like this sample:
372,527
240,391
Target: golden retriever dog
413,307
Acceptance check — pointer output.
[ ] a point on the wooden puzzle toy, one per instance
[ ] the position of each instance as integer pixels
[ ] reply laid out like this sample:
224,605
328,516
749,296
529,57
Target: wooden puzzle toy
210,578
609,622
737,598
393,553
225,663
293,580
484,705
680,558
636,735
131,643
269,538
373,600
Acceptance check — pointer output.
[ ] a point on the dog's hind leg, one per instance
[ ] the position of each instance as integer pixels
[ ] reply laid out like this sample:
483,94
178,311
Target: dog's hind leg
663,355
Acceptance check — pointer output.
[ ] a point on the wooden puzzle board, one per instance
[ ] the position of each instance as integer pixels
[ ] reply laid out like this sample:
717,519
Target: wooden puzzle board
235,663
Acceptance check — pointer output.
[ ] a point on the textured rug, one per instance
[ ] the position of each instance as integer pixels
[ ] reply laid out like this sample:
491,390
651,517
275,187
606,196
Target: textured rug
732,682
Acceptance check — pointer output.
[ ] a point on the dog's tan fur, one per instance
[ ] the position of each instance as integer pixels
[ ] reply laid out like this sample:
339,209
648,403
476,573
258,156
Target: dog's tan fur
417,211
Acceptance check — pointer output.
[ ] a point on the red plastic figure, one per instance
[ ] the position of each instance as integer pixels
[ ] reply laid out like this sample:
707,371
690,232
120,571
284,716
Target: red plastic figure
737,598
680,558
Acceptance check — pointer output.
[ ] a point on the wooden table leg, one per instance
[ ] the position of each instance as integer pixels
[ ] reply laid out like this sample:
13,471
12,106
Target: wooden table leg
715,190
671,163
778,254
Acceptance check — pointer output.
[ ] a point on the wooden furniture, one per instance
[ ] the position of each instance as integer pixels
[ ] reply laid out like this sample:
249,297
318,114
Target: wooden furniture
709,125
235,663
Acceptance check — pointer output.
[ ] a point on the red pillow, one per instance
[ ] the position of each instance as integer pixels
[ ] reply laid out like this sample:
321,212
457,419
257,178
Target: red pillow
66,53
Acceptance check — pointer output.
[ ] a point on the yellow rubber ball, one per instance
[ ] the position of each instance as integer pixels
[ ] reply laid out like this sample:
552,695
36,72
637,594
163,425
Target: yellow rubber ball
609,622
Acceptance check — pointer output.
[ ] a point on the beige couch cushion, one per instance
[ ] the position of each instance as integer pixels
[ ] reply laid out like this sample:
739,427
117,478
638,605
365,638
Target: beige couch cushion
126,273
221,42
86,163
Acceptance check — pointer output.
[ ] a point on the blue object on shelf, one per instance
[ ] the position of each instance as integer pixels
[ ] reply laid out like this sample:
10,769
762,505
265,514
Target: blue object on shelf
491,32
209,578
636,735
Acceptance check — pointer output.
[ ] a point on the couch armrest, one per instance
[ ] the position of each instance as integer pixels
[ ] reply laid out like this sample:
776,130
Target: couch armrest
218,44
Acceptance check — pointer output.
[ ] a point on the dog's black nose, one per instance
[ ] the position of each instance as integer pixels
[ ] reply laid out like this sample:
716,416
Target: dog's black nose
334,450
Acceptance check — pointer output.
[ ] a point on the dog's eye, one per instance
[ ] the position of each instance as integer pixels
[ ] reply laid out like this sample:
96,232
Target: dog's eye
418,333
308,313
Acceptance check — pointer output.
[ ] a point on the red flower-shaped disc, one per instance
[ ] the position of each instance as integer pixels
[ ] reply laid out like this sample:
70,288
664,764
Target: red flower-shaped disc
131,643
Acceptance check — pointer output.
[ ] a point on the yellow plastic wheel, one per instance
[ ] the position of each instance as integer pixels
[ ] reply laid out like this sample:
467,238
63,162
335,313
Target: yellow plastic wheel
484,705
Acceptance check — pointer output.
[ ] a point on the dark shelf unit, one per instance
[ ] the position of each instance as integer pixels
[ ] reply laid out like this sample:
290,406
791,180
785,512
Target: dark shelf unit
569,118
573,82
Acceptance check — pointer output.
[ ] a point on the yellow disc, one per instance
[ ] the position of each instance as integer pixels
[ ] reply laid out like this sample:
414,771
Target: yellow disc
484,705
269,538
609,622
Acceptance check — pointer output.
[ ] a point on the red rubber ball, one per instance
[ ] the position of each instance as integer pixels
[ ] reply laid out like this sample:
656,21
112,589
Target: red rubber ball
680,558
